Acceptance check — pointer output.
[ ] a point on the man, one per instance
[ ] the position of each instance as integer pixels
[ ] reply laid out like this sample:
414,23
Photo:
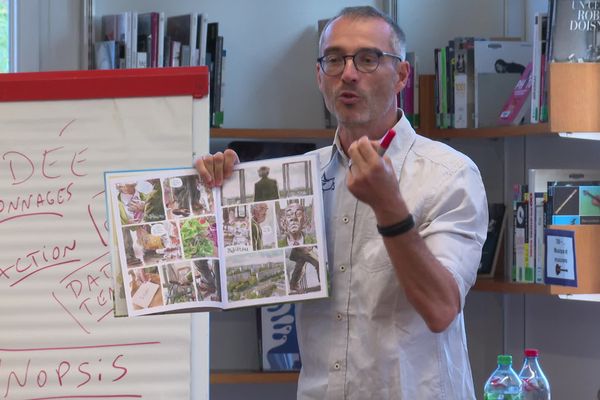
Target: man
404,233
259,215
265,188
293,223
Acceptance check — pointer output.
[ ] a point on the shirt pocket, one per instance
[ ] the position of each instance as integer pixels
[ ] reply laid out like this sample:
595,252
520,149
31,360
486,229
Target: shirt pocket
371,254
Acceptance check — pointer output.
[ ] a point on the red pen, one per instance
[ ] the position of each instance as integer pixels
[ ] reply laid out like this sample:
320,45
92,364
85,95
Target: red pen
385,142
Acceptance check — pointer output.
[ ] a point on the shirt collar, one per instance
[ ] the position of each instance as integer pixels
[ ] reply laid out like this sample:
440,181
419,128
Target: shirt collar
399,147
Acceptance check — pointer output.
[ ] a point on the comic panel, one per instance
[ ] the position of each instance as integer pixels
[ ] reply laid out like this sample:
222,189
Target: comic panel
255,275
140,201
185,196
302,269
236,229
144,285
264,233
207,279
295,222
150,244
199,237
178,282
265,181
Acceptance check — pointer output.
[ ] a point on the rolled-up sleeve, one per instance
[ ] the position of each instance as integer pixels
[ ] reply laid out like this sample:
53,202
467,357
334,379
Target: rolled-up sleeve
455,222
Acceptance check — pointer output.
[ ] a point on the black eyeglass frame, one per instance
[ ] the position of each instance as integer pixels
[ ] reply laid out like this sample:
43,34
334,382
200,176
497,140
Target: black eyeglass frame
377,52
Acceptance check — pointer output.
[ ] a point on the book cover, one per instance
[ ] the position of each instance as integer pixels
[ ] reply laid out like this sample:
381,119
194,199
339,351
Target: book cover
257,240
278,339
464,82
502,63
184,29
538,64
575,31
517,105
521,245
492,245
105,54
574,203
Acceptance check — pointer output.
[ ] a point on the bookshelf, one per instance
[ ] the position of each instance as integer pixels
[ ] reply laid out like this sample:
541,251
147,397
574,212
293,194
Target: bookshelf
587,255
574,97
245,377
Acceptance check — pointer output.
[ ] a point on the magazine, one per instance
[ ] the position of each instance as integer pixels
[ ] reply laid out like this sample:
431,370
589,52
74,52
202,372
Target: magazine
178,246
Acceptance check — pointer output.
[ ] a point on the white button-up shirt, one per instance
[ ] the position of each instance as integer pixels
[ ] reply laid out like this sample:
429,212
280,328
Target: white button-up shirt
367,341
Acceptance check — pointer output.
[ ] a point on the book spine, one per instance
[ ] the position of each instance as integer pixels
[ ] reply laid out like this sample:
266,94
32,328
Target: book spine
540,199
536,60
515,107
153,50
444,88
160,58
460,84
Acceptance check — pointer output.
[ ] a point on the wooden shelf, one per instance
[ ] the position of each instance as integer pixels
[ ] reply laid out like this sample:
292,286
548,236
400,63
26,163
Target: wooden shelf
500,131
574,97
236,377
587,255
272,133
493,132
499,286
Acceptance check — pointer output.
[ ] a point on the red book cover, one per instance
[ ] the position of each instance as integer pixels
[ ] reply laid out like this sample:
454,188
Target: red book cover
517,106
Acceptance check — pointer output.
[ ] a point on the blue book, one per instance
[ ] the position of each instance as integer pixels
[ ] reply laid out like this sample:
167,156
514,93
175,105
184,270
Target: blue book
278,339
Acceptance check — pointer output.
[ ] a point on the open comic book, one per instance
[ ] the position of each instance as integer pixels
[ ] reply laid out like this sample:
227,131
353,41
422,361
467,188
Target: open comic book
178,246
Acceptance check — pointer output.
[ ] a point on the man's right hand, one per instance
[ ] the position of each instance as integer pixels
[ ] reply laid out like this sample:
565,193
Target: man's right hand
215,168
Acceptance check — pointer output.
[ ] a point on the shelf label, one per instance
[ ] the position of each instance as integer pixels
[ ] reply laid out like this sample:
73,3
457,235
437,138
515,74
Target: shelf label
561,267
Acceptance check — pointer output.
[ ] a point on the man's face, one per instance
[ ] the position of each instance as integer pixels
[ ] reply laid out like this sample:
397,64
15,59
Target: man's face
359,98
294,218
259,212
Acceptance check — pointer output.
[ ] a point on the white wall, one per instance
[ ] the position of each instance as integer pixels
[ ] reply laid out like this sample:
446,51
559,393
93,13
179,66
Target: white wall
271,47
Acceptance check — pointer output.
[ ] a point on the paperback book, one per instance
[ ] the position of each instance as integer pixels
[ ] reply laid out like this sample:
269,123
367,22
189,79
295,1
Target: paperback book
278,340
574,203
178,246
575,31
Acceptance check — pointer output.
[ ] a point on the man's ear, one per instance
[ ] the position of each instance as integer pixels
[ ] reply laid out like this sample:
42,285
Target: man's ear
319,77
403,71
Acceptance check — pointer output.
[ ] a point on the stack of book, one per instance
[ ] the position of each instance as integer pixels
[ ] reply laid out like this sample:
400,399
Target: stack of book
551,197
141,40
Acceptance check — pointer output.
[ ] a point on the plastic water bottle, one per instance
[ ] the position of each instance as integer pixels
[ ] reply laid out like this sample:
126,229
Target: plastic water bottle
535,384
504,383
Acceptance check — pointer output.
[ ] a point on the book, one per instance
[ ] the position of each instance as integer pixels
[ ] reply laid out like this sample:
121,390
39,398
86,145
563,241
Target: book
278,339
538,181
184,29
521,243
574,203
575,31
492,245
464,82
539,41
257,240
501,63
105,54
517,106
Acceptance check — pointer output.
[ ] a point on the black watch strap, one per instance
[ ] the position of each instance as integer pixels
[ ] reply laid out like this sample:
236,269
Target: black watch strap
397,229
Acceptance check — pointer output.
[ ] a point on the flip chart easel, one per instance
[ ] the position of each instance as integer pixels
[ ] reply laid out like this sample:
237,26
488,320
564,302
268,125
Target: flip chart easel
59,132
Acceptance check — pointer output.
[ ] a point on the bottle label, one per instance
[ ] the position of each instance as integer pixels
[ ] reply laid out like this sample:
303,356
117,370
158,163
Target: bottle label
501,396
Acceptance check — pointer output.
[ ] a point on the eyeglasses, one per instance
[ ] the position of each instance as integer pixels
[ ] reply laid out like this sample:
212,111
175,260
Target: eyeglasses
366,60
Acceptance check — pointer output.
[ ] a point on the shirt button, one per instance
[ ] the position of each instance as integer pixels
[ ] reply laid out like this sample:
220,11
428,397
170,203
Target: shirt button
346,220
337,365
338,317
343,268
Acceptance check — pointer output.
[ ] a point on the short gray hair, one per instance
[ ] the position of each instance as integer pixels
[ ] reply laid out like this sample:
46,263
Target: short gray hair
366,12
